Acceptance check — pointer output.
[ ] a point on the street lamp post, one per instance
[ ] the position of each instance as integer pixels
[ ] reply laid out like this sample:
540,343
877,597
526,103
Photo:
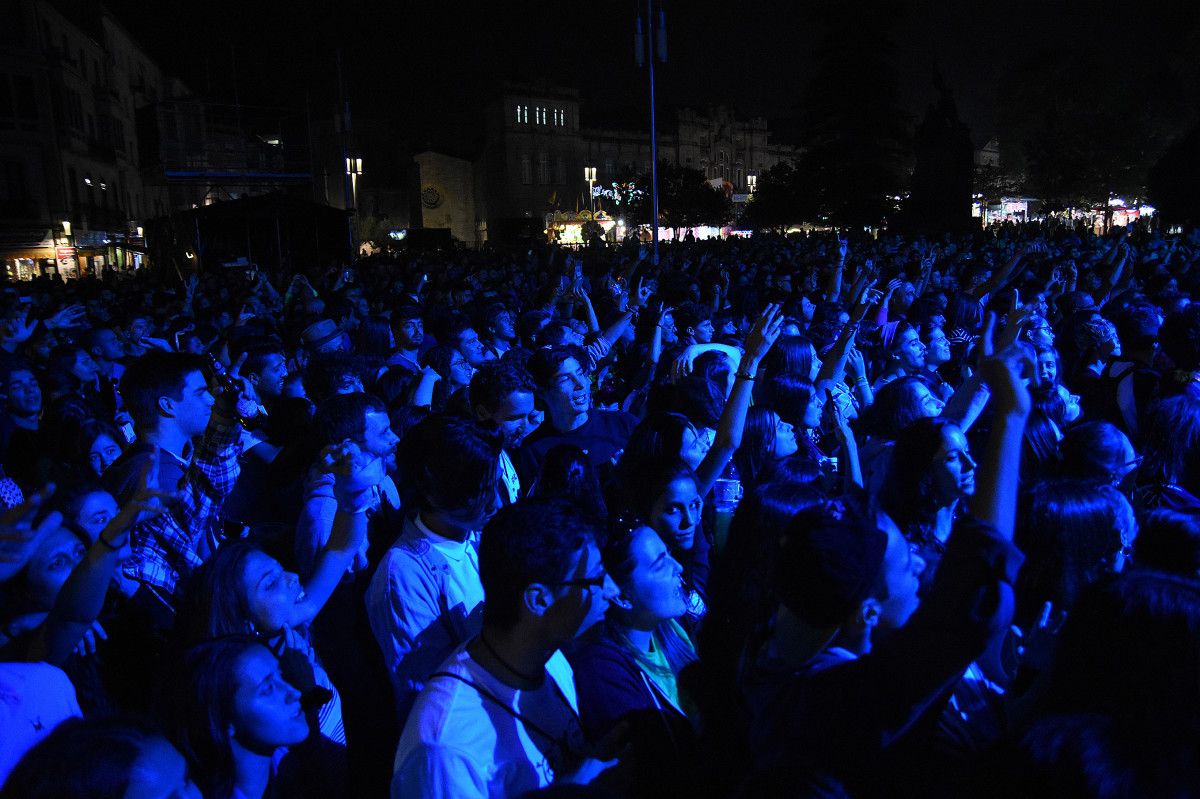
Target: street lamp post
656,40
752,182
354,168
589,174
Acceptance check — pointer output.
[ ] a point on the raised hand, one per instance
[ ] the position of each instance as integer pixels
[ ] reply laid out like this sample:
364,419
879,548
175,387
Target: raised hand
239,403
1002,370
856,364
353,469
683,364
841,425
764,333
67,317
641,293
19,329
869,297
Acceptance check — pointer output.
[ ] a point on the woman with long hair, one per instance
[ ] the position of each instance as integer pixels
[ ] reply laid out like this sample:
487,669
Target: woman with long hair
628,670
932,473
236,716
241,590
1072,533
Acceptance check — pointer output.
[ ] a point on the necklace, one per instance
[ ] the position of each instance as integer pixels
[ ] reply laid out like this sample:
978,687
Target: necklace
505,663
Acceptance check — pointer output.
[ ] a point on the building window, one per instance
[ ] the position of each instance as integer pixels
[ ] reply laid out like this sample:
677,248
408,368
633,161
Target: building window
560,170
522,114
609,171
739,178
526,169
720,155
543,168
518,115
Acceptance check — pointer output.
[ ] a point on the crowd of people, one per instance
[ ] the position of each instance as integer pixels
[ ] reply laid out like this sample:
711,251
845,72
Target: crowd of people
777,516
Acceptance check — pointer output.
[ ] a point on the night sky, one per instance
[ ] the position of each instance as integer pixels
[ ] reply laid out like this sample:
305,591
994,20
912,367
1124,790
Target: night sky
428,66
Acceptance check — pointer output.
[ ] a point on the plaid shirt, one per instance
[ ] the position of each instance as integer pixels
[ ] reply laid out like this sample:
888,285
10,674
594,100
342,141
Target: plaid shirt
165,547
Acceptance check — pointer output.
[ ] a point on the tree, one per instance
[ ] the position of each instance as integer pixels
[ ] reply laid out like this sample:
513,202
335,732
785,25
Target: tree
685,199
777,200
1086,122
1173,181
855,134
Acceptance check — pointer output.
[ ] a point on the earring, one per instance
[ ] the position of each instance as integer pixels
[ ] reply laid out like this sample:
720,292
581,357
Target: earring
623,603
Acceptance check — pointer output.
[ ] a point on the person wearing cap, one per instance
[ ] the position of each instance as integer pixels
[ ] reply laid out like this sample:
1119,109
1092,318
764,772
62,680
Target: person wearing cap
859,667
323,336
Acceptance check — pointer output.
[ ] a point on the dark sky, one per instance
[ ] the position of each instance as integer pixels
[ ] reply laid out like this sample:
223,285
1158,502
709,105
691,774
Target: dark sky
430,65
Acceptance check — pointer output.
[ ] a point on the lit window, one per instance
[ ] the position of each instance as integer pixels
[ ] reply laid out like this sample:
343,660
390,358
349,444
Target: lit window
518,115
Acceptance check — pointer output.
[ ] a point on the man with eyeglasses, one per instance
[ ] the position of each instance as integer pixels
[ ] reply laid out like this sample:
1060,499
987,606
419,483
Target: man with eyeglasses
500,717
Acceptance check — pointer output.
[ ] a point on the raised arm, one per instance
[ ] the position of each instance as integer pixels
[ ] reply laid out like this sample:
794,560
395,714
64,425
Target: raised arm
1002,275
637,300
355,474
833,289
759,340
82,596
995,499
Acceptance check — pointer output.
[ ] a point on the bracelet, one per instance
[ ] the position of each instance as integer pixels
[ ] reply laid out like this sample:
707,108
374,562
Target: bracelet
743,376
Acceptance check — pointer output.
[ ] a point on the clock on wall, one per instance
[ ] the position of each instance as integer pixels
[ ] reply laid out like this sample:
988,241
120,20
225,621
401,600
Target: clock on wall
431,197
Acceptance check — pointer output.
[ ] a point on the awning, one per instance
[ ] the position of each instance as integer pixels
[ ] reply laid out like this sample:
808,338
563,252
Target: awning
36,254
27,239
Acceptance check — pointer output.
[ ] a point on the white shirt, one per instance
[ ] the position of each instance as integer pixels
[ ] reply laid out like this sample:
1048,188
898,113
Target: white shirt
508,472
34,699
459,742
424,599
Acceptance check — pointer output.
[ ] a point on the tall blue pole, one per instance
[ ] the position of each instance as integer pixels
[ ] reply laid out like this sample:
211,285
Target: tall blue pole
653,129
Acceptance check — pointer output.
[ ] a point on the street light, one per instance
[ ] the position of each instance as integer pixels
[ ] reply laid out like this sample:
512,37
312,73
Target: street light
354,168
752,181
648,48
589,174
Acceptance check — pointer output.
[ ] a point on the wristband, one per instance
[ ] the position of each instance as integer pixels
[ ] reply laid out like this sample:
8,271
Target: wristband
743,376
